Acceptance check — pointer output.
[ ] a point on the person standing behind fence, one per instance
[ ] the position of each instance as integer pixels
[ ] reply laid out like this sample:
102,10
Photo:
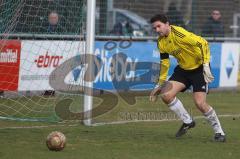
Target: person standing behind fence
175,17
213,26
123,27
54,26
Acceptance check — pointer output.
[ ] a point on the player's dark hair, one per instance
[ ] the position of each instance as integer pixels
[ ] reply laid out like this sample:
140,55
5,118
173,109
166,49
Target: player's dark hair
159,17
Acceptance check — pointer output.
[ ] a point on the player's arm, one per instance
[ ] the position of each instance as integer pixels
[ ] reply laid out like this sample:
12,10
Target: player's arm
202,44
164,67
198,42
184,37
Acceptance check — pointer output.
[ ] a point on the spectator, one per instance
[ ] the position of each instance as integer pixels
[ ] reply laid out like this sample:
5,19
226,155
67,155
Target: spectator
53,27
213,27
175,17
122,28
53,23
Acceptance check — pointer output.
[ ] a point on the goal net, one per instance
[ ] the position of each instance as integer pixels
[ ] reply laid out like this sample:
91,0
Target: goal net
42,50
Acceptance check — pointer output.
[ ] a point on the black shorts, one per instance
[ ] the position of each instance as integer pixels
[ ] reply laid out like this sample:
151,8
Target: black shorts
189,78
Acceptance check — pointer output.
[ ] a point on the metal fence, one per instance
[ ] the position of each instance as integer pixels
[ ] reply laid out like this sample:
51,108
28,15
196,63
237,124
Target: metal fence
120,18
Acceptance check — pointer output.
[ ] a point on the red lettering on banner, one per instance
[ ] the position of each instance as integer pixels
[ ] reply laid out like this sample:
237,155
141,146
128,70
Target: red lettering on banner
9,64
48,60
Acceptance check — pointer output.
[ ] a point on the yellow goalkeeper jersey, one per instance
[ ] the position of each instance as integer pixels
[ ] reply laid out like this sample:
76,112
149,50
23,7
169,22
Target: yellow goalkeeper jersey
190,50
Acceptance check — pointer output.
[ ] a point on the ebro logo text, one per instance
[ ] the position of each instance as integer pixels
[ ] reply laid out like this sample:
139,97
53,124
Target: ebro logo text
48,60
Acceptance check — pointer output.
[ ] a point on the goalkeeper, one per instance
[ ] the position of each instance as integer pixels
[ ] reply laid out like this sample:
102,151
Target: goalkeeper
193,56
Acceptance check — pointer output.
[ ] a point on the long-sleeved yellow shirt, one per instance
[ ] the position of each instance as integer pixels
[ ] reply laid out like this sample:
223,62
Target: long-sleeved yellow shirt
190,50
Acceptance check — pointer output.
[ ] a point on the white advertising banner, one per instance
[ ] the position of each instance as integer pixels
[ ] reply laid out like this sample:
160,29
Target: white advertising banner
229,64
40,58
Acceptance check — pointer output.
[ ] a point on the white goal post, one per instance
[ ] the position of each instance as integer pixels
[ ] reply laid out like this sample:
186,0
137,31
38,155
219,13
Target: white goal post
90,38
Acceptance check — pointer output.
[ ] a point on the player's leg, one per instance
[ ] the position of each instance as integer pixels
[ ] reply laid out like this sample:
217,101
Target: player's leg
168,95
170,89
177,83
200,89
210,114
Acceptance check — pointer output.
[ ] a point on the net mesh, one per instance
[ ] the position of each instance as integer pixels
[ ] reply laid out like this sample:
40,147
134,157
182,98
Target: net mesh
26,16
27,62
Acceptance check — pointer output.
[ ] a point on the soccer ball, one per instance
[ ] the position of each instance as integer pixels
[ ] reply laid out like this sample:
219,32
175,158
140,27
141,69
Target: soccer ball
56,141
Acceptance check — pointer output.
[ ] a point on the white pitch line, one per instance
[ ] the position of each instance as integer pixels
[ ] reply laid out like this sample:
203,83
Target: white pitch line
37,126
110,123
163,120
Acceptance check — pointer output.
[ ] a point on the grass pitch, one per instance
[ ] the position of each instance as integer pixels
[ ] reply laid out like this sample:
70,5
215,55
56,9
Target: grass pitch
135,140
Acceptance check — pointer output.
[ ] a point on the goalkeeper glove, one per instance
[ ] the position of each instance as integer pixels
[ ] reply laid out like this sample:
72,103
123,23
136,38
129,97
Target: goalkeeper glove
155,92
208,77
